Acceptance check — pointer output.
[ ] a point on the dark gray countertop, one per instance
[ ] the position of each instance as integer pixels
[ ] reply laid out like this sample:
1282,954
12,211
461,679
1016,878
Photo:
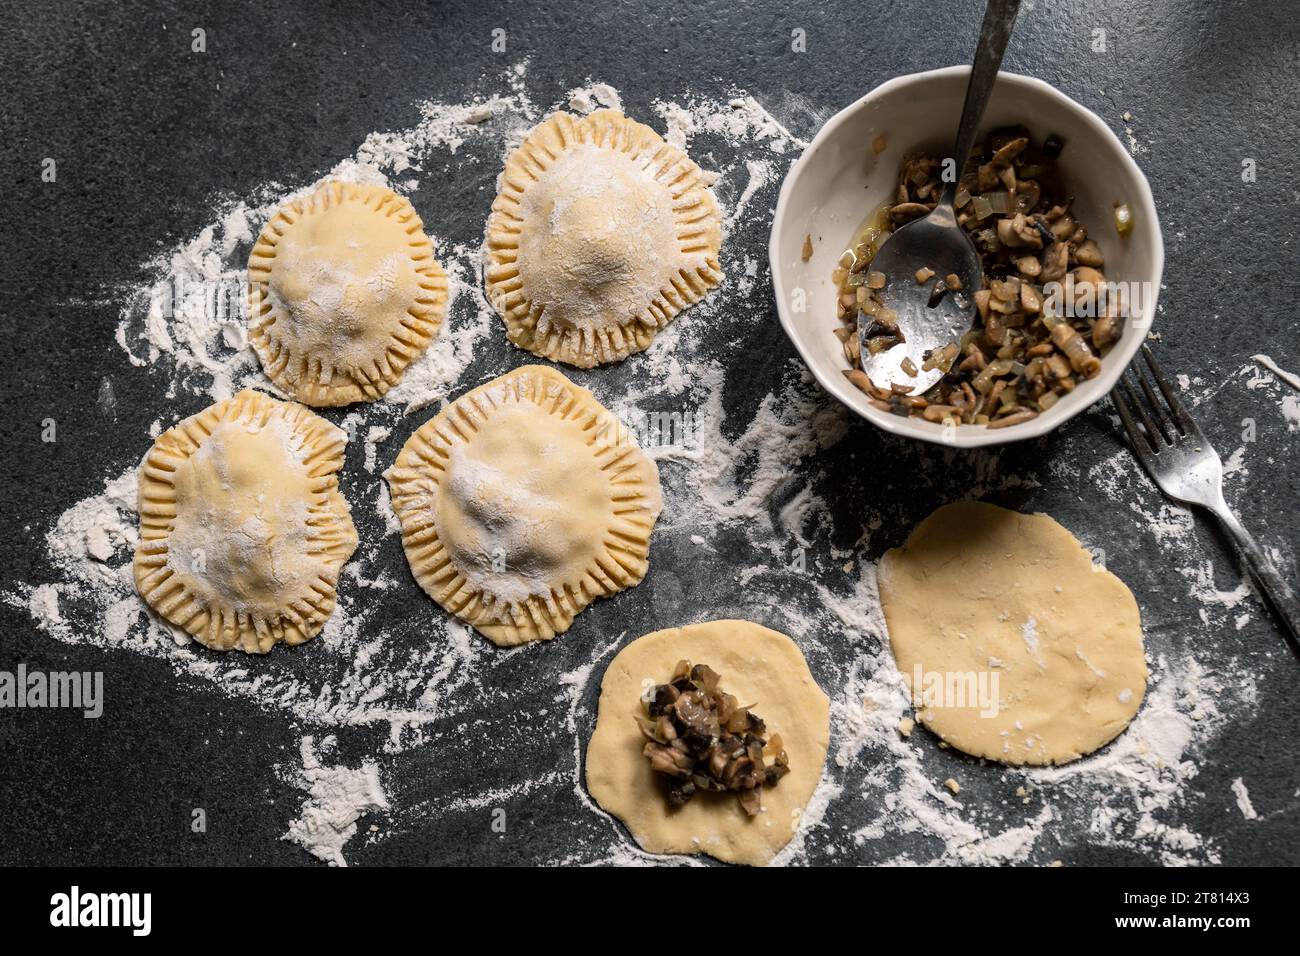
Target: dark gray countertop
147,136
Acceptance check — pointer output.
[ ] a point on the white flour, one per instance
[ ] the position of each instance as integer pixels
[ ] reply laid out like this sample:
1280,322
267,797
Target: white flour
737,480
1290,402
337,798
1289,377
1243,800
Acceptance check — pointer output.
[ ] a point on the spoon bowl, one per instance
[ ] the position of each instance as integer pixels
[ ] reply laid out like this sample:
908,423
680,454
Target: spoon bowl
930,314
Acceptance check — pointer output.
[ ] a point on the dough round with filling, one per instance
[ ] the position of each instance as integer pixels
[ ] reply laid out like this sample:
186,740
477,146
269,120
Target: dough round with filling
765,670
343,293
1024,650
522,502
600,235
242,526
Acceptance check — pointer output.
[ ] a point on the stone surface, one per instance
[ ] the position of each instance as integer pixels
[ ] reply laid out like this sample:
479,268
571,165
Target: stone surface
146,135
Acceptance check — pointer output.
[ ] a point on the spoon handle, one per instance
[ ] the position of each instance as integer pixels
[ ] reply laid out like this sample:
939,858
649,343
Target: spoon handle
999,18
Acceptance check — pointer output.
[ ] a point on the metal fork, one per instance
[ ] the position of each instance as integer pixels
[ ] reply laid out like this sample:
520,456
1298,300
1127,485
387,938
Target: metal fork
1178,458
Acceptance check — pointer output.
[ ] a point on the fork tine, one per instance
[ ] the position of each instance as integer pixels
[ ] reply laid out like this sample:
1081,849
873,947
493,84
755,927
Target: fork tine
1140,446
1186,423
1155,437
1164,421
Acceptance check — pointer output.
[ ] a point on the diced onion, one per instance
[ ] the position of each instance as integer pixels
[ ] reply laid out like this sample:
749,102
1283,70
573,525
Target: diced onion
1000,202
1123,219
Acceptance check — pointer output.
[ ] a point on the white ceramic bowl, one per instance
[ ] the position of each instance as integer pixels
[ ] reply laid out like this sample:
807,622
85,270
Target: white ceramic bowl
837,182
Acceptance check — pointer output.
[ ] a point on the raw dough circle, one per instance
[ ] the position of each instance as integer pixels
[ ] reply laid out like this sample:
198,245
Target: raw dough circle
600,235
979,594
344,293
522,502
242,527
759,666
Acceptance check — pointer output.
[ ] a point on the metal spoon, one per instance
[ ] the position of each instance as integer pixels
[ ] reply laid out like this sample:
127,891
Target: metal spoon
936,242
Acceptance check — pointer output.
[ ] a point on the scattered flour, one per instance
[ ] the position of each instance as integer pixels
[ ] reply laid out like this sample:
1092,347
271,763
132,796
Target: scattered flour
591,98
1289,377
736,476
1289,404
1243,800
337,798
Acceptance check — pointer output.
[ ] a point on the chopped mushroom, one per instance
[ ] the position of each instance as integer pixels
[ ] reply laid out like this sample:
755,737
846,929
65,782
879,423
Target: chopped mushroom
1055,261
1089,254
1028,266
701,738
1045,315
907,211
1031,300
1076,349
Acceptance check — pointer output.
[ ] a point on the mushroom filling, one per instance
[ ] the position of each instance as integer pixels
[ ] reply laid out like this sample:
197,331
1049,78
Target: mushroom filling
702,739
1045,315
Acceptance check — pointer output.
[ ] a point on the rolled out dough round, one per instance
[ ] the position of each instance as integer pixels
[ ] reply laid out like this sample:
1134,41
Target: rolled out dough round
1015,645
762,668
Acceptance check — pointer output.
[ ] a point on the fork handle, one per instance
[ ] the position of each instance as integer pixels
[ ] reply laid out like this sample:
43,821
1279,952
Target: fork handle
1275,587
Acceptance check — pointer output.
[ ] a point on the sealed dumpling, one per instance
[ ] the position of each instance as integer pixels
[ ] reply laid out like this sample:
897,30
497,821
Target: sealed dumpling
242,526
522,502
600,235
344,293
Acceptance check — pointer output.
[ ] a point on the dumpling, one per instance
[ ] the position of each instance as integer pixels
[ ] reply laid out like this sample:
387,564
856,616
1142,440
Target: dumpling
522,502
242,526
344,293
600,235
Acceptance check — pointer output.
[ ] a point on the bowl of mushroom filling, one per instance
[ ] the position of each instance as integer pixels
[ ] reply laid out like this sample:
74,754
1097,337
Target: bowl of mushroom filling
1067,232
